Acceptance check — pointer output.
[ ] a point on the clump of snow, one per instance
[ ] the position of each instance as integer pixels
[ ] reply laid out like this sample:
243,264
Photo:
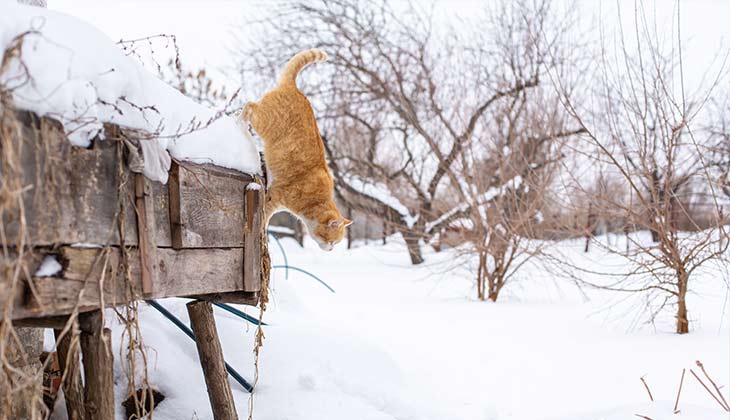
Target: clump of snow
49,267
71,71
253,186
85,245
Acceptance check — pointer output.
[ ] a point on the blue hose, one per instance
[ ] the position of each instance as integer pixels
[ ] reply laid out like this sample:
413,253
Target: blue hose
172,318
307,273
240,314
286,266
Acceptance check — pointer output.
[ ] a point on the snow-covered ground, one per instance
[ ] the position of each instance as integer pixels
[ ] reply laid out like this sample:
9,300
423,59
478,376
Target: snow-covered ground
403,342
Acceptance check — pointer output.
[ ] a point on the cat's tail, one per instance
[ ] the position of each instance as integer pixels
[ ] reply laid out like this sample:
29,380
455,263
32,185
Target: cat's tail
298,62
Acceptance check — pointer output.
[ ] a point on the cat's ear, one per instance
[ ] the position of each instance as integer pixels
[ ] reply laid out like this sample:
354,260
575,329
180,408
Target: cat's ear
348,222
335,223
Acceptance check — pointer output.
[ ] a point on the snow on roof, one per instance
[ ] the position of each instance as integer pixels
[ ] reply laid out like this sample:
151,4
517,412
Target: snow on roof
379,192
80,77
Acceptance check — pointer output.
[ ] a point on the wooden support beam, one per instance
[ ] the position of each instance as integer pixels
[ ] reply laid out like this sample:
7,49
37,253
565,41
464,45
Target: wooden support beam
21,380
68,359
187,272
254,199
55,322
211,359
96,348
241,298
176,224
146,232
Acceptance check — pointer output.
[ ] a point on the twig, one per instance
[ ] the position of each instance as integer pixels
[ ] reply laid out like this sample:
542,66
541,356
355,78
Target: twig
676,402
707,389
647,388
701,366
644,417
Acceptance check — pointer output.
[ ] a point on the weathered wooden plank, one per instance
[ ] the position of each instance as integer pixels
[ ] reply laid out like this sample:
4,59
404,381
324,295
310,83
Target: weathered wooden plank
241,298
210,352
146,234
71,193
88,272
96,348
211,206
252,250
176,223
72,196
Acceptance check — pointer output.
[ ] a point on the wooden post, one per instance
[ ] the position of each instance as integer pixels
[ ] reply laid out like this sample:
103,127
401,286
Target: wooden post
176,224
252,239
96,348
24,383
146,230
68,360
211,359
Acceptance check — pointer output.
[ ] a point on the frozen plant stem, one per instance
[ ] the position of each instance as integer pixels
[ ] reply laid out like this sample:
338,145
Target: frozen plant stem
679,391
707,389
648,391
701,366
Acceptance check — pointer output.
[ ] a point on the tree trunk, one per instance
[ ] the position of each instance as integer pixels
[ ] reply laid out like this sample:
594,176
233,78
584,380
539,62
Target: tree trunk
414,248
682,319
481,274
590,228
495,285
496,282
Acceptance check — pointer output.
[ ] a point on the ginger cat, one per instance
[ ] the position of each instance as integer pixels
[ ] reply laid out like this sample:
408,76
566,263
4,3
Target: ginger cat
300,181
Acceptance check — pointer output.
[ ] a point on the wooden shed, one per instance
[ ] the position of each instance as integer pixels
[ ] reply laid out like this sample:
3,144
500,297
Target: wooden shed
118,237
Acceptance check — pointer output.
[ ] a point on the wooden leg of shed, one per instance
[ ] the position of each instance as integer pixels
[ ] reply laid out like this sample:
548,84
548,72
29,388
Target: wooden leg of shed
96,347
211,359
21,388
68,359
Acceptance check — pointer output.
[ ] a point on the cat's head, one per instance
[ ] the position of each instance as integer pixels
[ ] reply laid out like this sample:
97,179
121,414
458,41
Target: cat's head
329,229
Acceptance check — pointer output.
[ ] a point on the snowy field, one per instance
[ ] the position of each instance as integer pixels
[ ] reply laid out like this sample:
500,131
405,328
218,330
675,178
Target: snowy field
394,341
398,342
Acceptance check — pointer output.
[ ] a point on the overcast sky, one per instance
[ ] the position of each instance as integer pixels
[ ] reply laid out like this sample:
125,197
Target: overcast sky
203,28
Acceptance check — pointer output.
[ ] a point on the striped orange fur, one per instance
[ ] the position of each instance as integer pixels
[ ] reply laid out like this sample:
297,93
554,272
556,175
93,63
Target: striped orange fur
300,180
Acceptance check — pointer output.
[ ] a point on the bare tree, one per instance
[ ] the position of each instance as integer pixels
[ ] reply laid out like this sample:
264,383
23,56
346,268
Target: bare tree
643,131
720,153
407,97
